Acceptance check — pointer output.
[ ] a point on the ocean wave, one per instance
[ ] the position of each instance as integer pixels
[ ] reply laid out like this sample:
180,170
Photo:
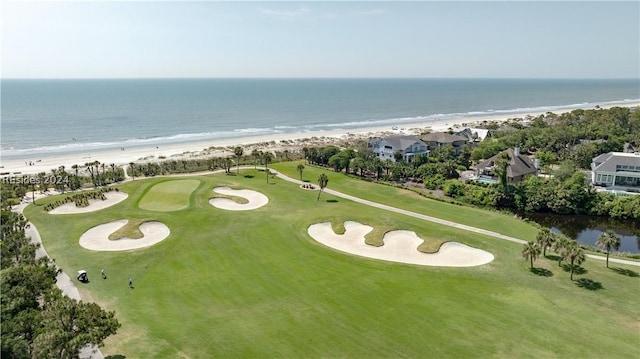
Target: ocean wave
74,147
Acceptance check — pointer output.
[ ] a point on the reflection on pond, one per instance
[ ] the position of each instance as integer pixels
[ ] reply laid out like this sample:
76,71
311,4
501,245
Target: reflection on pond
587,229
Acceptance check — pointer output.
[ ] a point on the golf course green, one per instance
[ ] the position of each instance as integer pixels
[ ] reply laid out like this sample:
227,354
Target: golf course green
253,283
169,195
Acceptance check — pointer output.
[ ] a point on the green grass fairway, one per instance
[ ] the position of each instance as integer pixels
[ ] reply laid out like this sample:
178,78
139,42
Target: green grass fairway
254,284
169,195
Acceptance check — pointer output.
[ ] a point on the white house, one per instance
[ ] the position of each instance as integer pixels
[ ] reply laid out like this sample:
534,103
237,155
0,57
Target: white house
616,169
407,146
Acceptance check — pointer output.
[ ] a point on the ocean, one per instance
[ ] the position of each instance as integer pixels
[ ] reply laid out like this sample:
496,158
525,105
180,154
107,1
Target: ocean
51,117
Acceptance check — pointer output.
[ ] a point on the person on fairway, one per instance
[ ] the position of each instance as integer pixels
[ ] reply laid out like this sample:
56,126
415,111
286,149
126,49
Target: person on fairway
130,282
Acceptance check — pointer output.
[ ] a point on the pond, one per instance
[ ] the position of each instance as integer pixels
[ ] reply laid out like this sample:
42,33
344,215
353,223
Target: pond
587,229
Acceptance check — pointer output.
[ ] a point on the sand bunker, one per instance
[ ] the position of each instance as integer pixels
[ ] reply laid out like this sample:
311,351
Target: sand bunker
399,246
255,199
97,238
94,204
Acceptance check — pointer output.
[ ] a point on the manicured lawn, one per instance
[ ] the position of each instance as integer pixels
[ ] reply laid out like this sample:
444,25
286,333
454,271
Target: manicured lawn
254,284
409,200
169,196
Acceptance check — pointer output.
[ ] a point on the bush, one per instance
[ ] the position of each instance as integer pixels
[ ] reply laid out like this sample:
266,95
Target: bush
453,188
434,182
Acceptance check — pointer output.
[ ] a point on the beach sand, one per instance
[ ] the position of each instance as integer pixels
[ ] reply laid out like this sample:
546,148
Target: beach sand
224,147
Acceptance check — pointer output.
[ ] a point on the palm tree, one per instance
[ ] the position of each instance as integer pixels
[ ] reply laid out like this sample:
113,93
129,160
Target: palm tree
89,166
238,152
267,157
545,239
132,168
300,168
607,241
574,255
256,156
322,182
531,251
561,244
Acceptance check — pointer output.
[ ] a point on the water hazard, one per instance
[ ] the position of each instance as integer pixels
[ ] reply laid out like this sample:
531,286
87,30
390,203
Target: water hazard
587,229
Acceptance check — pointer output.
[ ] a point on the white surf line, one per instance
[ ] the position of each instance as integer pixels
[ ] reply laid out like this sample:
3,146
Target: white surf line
442,221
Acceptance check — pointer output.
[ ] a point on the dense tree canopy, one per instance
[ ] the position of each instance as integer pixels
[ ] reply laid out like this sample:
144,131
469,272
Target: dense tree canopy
37,320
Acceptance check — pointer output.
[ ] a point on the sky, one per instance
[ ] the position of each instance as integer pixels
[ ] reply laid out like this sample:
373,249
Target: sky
158,39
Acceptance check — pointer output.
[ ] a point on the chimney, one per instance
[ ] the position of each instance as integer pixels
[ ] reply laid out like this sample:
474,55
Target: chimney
516,151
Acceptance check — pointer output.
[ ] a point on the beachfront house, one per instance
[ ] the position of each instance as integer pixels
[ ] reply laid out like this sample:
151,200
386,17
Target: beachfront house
406,146
474,135
618,169
519,166
438,139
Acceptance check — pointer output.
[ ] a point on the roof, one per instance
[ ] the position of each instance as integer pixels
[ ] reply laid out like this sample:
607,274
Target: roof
399,142
481,133
519,165
442,137
607,162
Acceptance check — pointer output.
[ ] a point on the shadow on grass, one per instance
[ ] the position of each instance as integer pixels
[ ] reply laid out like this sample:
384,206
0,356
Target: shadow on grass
541,272
589,284
627,272
332,200
117,356
576,269
249,176
553,257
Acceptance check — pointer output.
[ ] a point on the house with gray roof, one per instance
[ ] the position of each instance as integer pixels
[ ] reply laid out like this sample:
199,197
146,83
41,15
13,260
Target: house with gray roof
438,139
616,169
474,135
407,146
519,166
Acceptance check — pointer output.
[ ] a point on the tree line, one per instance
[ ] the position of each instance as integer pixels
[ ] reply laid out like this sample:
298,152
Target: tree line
568,250
226,163
38,321
561,140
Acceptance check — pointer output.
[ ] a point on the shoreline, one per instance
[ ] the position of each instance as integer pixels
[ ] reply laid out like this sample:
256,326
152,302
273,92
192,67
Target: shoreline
272,142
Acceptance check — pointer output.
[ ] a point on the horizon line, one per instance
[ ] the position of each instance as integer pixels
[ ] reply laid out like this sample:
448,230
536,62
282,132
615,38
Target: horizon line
318,78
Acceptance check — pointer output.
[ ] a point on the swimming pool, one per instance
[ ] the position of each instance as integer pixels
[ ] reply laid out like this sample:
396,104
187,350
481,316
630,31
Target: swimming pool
620,192
485,180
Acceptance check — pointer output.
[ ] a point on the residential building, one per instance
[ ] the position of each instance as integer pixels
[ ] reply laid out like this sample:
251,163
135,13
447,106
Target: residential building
438,139
407,146
616,169
518,167
474,135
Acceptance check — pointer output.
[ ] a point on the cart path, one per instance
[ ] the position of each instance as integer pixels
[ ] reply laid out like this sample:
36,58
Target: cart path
63,281
441,221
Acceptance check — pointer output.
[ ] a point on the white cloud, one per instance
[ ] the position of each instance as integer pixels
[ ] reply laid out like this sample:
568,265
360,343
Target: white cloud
286,14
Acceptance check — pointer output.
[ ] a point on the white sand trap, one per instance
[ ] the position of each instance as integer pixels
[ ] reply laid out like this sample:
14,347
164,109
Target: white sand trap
94,204
97,238
256,199
399,246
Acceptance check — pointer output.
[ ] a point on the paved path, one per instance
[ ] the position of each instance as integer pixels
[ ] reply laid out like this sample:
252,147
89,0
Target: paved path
443,221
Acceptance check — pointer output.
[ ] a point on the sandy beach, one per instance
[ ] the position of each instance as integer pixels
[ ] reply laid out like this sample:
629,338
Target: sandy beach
223,147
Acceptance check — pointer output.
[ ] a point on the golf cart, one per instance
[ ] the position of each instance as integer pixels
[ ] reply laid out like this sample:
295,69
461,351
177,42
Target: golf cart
82,276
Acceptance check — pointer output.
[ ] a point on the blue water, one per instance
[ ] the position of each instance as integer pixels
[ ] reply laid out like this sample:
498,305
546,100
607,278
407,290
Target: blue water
48,117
